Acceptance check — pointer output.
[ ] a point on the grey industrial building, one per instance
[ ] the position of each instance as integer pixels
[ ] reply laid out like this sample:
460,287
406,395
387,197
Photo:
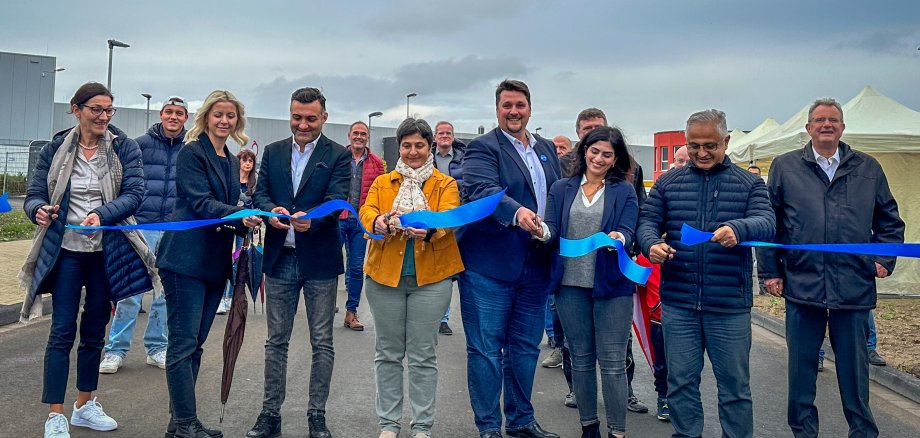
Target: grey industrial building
28,112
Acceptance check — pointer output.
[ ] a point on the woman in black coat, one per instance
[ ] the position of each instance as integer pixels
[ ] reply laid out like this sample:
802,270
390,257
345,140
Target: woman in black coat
196,263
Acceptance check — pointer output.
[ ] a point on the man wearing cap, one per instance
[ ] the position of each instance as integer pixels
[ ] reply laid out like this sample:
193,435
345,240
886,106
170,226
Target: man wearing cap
160,147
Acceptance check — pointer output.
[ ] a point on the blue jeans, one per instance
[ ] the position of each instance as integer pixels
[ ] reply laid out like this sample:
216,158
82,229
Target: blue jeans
726,338
190,307
805,327
355,247
282,298
503,321
598,329
660,367
73,271
125,320
548,320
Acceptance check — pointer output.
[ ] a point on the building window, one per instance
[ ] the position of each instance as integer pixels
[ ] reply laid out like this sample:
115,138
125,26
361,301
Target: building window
664,159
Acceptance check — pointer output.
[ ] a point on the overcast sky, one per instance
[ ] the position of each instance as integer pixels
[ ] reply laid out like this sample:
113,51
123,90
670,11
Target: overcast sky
648,65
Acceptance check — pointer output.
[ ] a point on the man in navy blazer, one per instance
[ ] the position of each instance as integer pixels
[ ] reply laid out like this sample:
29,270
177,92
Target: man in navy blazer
504,289
296,175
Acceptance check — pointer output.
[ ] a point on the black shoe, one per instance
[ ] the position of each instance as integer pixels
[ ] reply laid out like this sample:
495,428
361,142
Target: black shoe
534,431
195,429
592,430
491,435
171,429
634,405
445,329
876,359
318,425
820,364
267,426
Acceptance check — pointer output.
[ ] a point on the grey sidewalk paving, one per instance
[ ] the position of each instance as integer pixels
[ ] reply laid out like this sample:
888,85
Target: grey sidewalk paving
136,395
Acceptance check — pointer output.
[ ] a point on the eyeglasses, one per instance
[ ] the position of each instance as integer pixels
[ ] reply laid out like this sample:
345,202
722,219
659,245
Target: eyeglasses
821,120
98,110
710,147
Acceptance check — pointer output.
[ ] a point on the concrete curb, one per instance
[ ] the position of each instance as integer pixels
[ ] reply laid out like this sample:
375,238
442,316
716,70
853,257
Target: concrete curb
9,313
889,377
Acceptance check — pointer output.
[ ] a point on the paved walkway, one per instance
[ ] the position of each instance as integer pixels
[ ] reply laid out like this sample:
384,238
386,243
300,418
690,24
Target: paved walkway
12,254
136,395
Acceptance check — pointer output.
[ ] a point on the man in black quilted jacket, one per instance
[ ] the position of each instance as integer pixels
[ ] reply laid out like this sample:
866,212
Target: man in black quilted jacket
706,289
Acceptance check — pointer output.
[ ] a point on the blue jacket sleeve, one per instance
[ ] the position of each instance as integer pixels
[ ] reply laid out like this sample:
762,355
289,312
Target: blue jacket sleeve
37,193
759,221
629,218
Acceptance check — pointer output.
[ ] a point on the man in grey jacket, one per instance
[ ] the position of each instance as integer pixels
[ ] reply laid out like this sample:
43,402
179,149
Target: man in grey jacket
828,193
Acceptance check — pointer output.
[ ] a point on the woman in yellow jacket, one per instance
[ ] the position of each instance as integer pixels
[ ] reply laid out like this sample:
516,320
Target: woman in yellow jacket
409,278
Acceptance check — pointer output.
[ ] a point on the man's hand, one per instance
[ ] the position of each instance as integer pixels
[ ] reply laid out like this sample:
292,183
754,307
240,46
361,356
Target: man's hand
275,222
774,286
725,236
880,271
529,221
46,214
660,252
252,221
300,225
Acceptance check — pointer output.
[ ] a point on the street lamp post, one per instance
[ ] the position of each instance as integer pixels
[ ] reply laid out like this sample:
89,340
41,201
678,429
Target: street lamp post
369,117
537,131
147,95
407,102
113,43
52,71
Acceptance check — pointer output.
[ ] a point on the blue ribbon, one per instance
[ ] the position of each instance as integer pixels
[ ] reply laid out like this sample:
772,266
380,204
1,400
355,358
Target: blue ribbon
577,248
321,210
462,215
692,236
5,203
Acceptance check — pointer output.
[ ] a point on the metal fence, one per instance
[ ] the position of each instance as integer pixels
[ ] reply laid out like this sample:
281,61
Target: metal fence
16,164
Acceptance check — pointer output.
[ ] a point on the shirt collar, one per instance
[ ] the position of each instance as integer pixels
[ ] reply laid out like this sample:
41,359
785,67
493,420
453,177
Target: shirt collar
820,158
531,141
309,146
450,153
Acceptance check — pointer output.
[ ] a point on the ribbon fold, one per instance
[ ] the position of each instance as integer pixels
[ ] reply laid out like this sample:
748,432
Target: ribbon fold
692,236
462,215
576,248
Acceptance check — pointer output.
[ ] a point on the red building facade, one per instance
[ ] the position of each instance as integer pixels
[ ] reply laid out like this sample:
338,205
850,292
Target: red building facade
666,144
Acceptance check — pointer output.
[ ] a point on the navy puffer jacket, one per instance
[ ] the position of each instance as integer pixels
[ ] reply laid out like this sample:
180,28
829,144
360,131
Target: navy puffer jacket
708,276
124,268
159,153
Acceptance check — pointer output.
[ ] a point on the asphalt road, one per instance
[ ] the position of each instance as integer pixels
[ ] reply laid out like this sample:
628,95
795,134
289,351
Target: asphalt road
136,395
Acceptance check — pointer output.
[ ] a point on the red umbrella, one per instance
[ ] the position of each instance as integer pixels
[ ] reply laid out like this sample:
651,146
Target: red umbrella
236,325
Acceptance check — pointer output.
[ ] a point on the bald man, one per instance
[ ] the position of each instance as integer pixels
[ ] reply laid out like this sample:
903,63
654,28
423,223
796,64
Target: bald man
563,145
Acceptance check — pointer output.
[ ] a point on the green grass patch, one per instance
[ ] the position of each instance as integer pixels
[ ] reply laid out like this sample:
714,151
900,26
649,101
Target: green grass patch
15,226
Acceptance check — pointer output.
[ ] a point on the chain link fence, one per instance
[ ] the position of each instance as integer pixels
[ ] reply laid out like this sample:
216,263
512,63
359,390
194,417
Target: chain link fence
16,164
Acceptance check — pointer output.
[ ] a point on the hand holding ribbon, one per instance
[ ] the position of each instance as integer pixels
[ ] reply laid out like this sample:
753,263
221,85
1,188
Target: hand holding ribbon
576,248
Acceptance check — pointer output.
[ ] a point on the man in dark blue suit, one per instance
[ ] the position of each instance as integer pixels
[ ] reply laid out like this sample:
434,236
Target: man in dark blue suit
504,289
302,256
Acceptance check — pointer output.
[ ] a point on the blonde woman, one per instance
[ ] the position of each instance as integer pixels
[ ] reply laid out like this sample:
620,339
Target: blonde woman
195,264
409,278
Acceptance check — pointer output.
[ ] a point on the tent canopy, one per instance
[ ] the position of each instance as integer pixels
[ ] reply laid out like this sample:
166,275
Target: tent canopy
737,147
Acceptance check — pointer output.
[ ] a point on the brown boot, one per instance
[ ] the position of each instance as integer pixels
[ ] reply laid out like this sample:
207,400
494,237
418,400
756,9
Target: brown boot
351,321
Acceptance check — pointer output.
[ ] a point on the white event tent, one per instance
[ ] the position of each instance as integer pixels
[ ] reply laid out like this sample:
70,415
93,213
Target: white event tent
881,127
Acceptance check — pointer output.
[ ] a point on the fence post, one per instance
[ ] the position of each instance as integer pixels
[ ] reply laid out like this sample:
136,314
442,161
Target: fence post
6,165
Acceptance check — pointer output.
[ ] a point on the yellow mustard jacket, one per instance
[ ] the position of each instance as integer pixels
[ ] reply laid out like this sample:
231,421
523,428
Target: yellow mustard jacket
435,260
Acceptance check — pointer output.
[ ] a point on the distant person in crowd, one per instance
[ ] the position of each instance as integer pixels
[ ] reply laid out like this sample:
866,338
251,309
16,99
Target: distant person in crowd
503,293
681,158
448,159
409,279
90,175
593,299
827,192
301,256
247,159
195,264
365,167
159,149
706,290
586,121
754,169
563,145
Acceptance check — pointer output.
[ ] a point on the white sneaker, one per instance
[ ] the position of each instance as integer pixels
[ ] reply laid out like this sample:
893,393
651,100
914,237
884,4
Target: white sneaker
92,416
56,426
388,434
157,359
110,363
224,306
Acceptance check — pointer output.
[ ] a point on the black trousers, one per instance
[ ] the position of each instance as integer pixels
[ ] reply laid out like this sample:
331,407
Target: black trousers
849,331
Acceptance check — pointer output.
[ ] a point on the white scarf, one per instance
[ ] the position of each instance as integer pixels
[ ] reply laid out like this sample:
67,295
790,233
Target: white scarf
410,196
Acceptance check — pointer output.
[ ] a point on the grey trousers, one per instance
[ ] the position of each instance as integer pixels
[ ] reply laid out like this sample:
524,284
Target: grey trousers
282,296
407,319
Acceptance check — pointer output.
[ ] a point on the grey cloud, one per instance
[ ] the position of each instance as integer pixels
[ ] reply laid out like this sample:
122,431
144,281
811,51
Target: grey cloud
411,17
888,42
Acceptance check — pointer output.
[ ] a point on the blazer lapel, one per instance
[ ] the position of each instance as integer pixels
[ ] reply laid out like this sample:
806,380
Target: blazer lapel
547,163
209,152
510,150
571,193
286,168
609,204
319,154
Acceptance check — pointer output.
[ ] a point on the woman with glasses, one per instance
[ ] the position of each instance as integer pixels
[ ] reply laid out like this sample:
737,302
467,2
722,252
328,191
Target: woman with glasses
89,175
195,264
409,278
594,300
247,159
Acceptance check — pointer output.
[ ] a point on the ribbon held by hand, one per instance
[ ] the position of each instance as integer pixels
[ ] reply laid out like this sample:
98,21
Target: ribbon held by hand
576,248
